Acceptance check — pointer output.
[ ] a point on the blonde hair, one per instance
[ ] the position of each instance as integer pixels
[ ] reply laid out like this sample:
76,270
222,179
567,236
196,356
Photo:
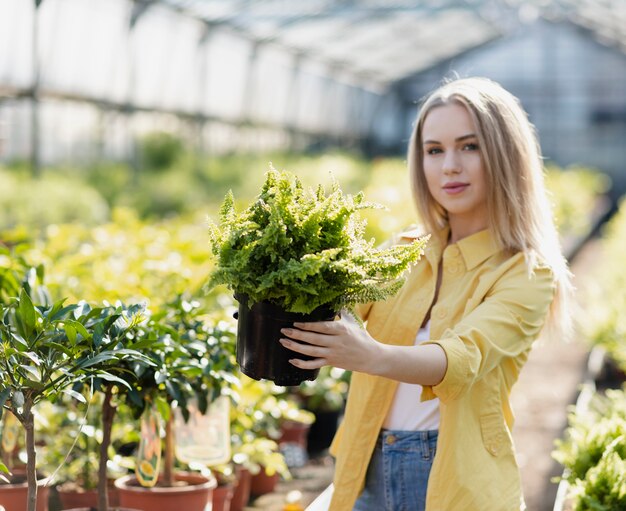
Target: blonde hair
520,215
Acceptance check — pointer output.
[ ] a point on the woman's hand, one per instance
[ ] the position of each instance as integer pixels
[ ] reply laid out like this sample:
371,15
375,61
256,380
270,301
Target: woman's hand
341,343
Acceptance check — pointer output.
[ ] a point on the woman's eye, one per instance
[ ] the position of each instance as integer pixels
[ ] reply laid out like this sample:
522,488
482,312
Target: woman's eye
433,150
470,147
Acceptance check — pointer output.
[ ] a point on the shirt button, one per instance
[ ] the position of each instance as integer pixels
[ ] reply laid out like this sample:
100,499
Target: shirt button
453,250
453,268
390,440
442,313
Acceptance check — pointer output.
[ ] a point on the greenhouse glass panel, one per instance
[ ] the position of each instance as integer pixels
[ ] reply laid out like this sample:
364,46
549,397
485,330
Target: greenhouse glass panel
228,64
16,42
82,47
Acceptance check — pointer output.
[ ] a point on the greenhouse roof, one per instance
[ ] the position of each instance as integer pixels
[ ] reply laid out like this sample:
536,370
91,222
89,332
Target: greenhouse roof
385,41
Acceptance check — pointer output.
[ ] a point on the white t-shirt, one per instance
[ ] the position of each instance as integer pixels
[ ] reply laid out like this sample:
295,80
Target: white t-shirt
407,412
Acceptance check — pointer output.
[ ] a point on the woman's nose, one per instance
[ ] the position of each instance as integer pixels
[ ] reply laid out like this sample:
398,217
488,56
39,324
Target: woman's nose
451,162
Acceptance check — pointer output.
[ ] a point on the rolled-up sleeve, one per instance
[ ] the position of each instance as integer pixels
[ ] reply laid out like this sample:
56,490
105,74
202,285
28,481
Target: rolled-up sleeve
503,325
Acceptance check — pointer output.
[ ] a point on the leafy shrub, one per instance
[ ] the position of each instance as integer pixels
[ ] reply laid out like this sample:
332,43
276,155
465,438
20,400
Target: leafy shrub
51,199
605,321
604,488
160,150
575,192
302,249
594,453
126,259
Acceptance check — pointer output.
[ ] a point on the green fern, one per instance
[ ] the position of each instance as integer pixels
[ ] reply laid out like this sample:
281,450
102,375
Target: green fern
301,248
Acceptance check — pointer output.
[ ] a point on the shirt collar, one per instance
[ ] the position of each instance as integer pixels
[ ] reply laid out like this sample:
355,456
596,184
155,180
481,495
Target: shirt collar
475,248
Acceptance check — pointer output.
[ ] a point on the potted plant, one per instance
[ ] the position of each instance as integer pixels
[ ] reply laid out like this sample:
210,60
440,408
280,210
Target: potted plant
193,362
593,454
324,397
296,254
44,351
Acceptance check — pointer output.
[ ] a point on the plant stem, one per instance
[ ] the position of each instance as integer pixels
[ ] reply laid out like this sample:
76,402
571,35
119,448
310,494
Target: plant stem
108,413
31,456
168,469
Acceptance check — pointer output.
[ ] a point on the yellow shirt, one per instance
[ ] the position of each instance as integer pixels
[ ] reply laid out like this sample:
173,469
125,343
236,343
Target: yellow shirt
490,309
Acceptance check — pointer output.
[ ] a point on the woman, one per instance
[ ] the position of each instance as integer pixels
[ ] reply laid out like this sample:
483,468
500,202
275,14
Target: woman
434,369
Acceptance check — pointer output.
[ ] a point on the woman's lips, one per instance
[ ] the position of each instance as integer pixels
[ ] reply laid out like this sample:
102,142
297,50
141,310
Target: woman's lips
454,188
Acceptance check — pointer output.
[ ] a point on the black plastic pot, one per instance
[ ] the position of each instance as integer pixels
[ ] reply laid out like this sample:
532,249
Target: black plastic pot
322,431
259,353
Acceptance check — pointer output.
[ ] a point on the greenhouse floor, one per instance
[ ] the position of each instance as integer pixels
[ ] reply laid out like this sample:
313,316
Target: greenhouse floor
548,384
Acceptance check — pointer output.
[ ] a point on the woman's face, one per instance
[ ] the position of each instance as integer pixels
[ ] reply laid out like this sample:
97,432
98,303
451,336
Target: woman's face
453,167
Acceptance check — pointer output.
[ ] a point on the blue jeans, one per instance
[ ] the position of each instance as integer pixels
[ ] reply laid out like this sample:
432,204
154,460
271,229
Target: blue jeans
397,476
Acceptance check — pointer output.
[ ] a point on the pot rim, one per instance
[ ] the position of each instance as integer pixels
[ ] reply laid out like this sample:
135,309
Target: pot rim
122,483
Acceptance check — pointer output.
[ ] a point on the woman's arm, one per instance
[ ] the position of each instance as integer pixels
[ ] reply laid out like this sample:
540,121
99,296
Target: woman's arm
345,344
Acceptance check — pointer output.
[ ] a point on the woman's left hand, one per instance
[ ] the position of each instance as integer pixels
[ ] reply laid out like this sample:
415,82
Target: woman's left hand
341,343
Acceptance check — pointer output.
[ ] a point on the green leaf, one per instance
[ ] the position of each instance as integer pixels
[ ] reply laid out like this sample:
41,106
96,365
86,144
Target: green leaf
4,395
33,356
17,399
79,328
33,372
70,331
21,341
27,314
76,395
163,407
57,346
115,379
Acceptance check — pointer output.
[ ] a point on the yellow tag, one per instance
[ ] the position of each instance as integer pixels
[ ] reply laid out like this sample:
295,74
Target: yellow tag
149,454
10,431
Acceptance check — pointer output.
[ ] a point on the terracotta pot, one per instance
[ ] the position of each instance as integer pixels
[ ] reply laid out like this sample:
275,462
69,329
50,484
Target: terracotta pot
14,496
193,492
261,483
222,497
259,354
95,509
241,494
88,498
294,432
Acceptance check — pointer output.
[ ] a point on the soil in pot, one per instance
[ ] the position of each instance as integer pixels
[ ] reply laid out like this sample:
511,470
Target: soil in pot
259,353
193,492
14,496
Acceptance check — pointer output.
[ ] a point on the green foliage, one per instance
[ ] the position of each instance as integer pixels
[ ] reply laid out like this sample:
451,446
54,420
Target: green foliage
193,358
302,249
327,392
126,259
45,349
605,321
160,150
604,488
389,184
575,192
259,408
594,453
52,199
72,434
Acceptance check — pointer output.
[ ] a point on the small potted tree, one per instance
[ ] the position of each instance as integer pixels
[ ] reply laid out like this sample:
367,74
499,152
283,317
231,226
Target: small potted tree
44,351
296,254
194,360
